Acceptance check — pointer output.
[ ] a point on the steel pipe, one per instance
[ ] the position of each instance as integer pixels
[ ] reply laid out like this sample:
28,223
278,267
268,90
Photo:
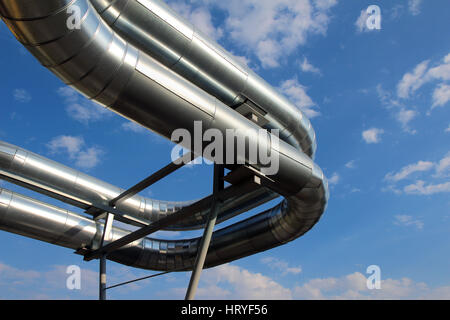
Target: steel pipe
114,67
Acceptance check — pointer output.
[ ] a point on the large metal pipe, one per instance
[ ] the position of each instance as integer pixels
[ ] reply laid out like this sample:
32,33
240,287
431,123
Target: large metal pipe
106,68
51,178
34,219
155,28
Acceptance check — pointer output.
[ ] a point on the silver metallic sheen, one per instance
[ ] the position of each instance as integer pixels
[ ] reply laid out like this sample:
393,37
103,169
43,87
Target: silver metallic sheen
141,60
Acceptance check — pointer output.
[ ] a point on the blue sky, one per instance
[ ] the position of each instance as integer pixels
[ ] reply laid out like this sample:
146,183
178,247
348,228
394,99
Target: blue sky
379,101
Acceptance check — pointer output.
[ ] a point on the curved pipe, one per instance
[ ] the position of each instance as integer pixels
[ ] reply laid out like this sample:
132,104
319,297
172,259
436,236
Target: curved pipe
30,170
155,28
34,219
106,68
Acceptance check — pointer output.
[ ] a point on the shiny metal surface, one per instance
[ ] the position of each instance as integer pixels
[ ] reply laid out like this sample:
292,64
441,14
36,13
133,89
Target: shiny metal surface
156,29
23,167
142,61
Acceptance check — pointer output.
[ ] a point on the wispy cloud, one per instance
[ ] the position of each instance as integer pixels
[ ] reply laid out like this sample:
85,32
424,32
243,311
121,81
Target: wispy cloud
400,112
372,135
306,66
353,286
351,164
81,109
279,26
233,282
281,265
297,93
50,283
423,74
405,220
414,7
408,170
405,116
443,166
360,23
334,179
22,95
441,95
200,17
412,81
74,147
420,187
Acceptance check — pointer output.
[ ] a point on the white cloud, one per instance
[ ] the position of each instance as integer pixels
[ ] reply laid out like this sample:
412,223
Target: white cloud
372,135
351,164
448,129
386,97
200,17
277,27
306,66
50,283
74,148
71,145
441,95
414,7
240,284
334,179
360,23
443,166
281,265
297,93
423,74
89,158
409,169
22,95
16,276
440,71
353,286
242,60
223,282
412,81
421,188
405,116
80,108
405,220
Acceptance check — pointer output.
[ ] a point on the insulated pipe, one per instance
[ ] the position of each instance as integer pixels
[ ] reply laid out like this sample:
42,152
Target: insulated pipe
106,68
30,170
155,28
34,219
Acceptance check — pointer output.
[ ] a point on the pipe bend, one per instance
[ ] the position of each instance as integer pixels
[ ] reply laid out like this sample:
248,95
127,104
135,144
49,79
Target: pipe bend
132,83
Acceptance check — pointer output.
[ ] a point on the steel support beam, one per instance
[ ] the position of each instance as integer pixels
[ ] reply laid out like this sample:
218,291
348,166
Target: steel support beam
102,271
102,274
218,185
173,218
155,177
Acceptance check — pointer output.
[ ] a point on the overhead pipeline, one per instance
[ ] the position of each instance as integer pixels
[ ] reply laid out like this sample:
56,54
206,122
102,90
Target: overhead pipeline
142,61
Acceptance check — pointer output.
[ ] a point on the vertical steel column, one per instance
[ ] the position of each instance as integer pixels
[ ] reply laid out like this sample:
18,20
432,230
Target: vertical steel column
218,184
102,283
102,272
